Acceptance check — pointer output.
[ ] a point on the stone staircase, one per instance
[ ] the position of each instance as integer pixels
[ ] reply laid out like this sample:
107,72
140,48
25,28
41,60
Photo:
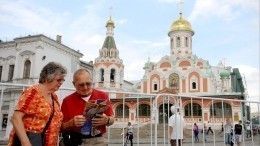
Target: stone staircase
143,132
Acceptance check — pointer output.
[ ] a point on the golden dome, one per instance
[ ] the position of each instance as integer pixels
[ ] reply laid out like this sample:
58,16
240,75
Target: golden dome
110,22
181,24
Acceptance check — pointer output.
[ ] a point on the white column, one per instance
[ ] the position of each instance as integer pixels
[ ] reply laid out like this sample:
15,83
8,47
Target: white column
37,63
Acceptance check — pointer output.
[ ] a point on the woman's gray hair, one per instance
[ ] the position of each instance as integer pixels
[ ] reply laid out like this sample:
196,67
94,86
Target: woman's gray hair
50,70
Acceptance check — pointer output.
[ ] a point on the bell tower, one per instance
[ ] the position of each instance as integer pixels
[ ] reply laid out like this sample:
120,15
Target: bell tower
108,67
180,36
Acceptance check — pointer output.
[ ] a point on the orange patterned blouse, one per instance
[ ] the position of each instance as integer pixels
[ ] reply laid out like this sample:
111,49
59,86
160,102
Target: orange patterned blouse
37,112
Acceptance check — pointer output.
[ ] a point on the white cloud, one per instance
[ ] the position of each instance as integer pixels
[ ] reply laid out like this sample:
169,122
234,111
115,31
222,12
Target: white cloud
121,21
224,9
19,15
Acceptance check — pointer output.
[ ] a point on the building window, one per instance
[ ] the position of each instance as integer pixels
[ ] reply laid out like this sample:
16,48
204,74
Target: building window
196,109
155,88
27,69
216,110
172,43
144,110
155,85
11,72
174,81
112,75
4,121
101,75
1,70
178,42
119,111
186,41
194,85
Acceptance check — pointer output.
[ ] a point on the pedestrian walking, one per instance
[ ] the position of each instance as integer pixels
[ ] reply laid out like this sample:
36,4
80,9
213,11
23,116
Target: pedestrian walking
228,129
209,128
238,131
248,130
196,132
222,129
129,134
204,131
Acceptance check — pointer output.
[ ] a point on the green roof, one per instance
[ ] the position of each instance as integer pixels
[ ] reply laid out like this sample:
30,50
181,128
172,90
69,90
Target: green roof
109,43
224,74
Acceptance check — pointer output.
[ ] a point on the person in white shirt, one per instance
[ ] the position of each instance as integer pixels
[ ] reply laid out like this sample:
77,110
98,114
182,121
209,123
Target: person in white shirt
227,131
129,133
248,129
176,127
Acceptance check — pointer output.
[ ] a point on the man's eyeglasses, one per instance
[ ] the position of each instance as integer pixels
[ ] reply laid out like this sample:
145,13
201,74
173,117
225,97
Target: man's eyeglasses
88,84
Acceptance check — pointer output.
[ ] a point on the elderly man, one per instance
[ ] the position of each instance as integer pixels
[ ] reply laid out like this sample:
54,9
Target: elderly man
73,107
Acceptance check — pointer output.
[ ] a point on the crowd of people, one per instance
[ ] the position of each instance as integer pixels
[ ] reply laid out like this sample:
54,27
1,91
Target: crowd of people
232,133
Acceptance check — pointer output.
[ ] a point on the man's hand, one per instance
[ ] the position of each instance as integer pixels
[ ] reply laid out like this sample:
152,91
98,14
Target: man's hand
79,120
99,120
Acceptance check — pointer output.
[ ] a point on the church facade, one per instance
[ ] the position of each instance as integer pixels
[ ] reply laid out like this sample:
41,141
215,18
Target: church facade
180,73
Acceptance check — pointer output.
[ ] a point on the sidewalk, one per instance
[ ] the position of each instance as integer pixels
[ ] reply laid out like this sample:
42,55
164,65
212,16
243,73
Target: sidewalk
218,141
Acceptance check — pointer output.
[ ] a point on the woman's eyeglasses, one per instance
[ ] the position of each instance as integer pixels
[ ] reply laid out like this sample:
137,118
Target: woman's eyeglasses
60,80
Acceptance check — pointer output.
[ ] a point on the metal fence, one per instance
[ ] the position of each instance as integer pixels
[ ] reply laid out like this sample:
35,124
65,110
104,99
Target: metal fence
149,114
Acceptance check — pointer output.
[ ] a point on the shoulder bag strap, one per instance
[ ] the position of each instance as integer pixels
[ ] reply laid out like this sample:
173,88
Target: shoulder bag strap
49,121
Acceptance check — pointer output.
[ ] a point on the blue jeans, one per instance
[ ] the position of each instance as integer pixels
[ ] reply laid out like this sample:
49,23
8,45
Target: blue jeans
196,137
228,138
205,135
248,134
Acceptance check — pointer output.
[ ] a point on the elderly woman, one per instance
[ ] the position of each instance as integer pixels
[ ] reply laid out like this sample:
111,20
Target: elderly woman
38,109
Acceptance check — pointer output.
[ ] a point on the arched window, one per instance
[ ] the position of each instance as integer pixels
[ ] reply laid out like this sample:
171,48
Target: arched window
155,85
186,41
216,110
27,69
101,75
11,72
164,112
172,44
112,75
174,81
194,85
119,111
196,109
144,110
178,42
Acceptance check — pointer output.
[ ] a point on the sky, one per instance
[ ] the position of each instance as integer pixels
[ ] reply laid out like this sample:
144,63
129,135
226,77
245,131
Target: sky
224,30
